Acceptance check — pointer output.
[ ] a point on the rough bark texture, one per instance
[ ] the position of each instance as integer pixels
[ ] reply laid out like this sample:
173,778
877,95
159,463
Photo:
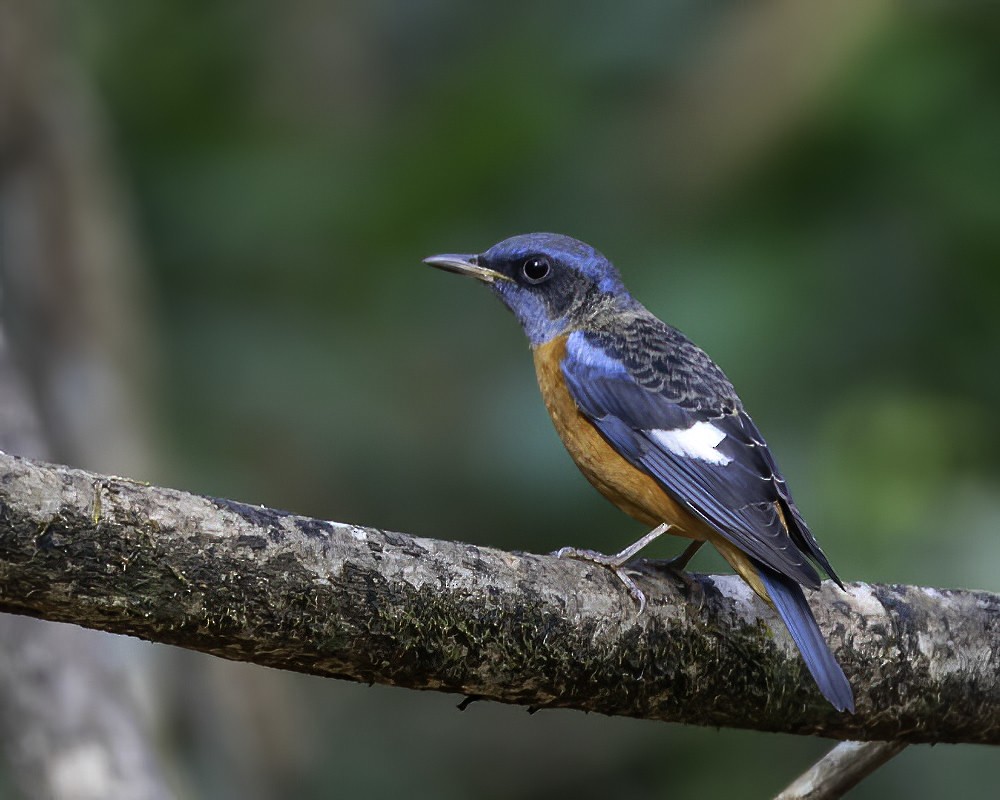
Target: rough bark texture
254,584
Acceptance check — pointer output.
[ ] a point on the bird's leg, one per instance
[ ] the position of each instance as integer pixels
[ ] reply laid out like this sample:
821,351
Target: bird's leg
618,559
676,567
679,563
616,563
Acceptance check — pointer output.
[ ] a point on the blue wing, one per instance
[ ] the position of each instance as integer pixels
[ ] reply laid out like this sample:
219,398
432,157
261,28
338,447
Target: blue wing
679,419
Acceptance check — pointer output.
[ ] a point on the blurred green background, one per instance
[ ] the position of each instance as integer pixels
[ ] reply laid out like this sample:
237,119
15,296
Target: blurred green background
810,191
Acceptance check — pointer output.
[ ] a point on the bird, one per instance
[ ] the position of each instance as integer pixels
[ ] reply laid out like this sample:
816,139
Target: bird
658,429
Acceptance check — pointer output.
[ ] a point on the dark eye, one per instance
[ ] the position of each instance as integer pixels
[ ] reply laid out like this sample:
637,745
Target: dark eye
536,269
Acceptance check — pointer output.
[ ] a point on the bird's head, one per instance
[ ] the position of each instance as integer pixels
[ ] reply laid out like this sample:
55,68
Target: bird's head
551,282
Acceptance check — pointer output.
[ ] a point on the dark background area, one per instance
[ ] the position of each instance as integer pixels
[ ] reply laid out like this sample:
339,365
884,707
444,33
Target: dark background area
810,191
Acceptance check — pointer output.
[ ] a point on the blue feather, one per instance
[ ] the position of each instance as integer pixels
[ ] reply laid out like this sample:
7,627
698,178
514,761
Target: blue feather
791,605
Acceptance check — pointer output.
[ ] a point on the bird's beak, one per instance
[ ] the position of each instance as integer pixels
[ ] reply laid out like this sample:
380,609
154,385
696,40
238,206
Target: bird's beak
465,265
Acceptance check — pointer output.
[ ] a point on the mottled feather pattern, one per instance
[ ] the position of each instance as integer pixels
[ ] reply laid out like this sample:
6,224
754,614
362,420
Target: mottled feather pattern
663,360
661,380
657,427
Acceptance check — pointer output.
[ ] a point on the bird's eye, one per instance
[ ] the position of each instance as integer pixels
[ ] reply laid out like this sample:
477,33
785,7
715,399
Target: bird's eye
536,269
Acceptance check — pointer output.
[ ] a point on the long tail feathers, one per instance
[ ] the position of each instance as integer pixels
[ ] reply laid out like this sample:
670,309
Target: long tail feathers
790,603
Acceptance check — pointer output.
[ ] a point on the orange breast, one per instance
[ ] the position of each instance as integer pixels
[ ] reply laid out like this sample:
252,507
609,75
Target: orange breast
631,489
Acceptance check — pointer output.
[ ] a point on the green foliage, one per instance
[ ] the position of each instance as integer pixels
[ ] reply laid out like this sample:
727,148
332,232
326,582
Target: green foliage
292,163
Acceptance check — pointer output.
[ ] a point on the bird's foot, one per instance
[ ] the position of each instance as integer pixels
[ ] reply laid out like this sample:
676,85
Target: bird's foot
614,563
617,562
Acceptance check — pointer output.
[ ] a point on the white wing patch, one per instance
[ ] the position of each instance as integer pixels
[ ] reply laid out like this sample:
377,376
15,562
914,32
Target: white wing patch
699,441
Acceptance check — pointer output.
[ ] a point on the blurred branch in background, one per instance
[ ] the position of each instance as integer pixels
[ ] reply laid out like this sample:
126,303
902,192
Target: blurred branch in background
73,720
80,709
254,584
74,305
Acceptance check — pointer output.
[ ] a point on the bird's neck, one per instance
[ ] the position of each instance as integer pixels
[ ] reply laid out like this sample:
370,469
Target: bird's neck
604,313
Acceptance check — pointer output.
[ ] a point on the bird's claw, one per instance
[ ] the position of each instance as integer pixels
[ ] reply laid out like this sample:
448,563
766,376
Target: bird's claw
613,563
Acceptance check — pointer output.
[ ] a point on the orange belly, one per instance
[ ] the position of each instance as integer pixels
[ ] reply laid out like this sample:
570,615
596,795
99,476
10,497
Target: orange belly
631,489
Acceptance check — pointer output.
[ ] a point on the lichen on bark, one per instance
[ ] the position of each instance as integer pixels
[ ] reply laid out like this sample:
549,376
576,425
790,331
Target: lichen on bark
256,584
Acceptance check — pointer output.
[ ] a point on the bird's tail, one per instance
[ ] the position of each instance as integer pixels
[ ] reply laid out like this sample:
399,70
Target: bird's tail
790,603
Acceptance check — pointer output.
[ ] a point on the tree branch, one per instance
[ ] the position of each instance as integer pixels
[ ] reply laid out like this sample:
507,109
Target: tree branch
254,584
840,770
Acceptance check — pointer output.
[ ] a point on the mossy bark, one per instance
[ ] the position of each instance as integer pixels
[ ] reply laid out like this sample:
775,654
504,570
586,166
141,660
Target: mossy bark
255,584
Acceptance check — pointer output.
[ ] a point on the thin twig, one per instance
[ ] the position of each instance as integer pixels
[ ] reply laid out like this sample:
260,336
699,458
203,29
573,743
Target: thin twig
841,770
